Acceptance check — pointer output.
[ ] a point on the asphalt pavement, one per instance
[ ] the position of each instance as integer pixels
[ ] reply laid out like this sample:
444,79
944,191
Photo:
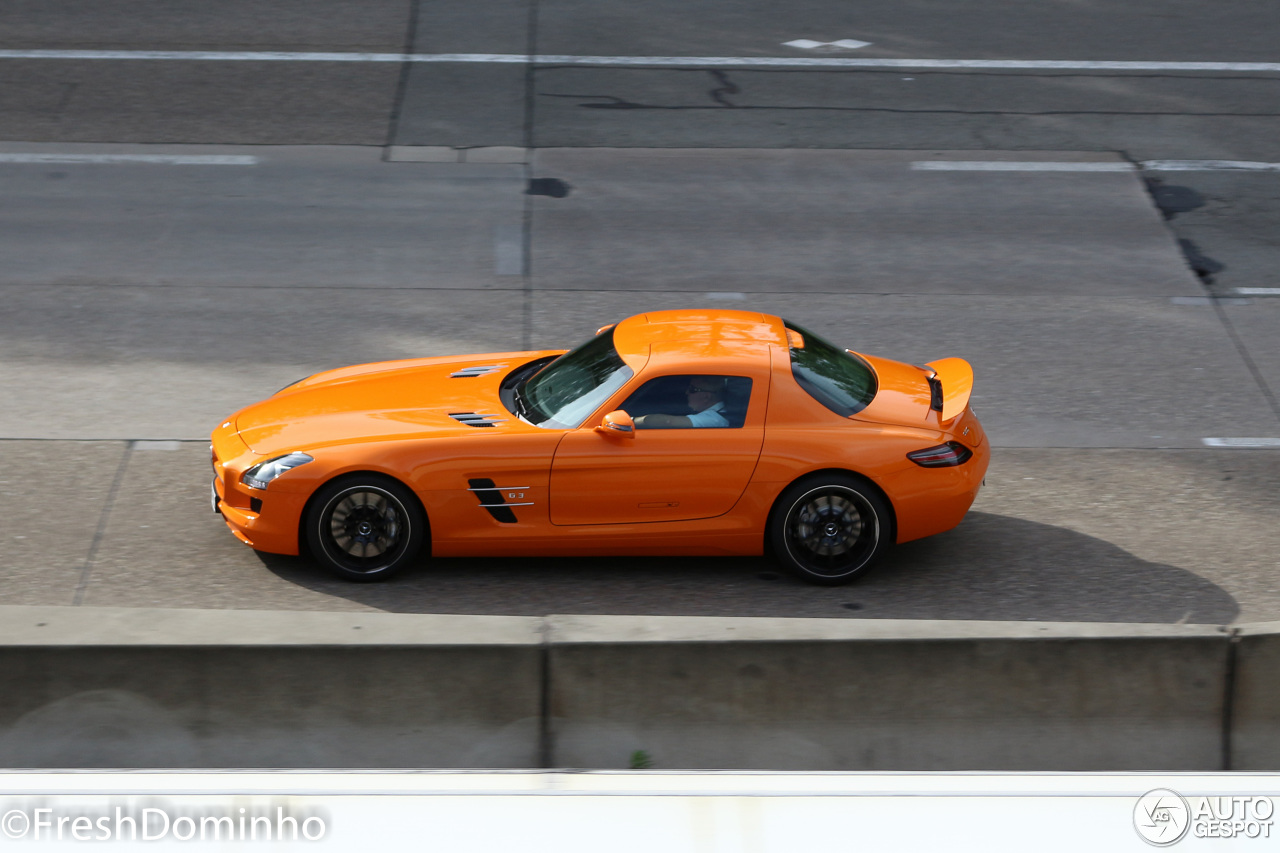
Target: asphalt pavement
183,236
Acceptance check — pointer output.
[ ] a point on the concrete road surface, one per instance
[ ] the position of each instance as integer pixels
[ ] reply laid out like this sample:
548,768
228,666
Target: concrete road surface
185,234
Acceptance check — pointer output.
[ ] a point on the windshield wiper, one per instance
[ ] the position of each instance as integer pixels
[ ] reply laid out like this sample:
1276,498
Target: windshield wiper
512,392
522,408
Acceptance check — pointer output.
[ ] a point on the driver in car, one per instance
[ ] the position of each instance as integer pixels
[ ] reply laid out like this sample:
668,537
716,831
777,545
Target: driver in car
705,395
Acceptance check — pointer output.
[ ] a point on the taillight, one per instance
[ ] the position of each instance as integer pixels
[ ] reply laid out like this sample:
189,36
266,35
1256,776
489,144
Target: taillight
943,456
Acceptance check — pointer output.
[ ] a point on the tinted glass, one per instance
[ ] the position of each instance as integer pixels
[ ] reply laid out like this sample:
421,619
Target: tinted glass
573,386
669,395
835,378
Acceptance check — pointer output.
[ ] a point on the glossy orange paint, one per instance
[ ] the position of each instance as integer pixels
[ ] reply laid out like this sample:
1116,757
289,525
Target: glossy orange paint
439,425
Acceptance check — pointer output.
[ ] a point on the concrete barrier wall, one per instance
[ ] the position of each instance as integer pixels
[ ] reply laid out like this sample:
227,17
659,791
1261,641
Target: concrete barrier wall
84,687
1255,712
102,687
879,695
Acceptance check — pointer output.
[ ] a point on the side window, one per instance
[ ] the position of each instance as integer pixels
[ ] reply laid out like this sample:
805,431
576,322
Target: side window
690,401
836,378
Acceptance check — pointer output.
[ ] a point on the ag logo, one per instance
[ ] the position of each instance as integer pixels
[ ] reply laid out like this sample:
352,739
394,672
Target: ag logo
1161,817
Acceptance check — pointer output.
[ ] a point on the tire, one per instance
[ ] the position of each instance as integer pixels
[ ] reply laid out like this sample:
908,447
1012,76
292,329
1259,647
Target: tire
365,527
830,528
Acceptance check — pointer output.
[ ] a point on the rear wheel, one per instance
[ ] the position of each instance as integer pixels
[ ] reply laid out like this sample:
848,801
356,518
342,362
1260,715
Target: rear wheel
830,529
365,528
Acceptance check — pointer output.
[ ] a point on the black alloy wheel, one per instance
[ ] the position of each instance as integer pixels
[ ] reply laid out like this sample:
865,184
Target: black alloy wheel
830,529
365,527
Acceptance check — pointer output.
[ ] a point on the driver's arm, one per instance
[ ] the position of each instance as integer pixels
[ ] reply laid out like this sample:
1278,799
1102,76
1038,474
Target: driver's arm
668,421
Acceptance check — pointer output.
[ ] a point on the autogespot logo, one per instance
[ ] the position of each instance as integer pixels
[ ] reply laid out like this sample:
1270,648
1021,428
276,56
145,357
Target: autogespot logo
1162,817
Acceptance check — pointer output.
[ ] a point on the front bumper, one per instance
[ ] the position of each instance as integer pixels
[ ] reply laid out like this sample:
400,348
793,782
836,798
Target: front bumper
271,525
264,519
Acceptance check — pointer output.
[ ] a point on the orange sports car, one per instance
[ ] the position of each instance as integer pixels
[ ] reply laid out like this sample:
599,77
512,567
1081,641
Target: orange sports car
675,432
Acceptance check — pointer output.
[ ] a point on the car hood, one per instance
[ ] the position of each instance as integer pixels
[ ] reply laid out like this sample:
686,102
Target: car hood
382,401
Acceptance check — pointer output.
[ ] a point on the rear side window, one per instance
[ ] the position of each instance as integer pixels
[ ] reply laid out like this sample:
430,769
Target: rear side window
839,380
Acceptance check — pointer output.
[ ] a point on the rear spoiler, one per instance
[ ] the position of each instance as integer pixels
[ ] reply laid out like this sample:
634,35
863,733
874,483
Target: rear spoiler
952,383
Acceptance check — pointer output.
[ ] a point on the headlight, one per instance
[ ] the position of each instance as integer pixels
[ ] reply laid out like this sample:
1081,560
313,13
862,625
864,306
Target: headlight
259,475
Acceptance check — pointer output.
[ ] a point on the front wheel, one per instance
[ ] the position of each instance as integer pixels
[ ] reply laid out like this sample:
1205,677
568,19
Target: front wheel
365,527
830,529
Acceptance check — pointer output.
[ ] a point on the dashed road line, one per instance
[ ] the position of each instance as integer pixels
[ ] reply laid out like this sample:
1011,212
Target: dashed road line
810,44
1015,166
1258,291
508,249
1241,442
1208,166
162,159
642,61
1051,166
919,165
237,56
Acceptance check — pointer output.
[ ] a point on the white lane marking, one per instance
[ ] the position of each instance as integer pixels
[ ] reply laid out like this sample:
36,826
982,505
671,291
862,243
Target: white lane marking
1258,291
810,44
1045,166
165,159
650,61
1208,166
727,295
1016,166
228,55
850,62
508,249
1241,442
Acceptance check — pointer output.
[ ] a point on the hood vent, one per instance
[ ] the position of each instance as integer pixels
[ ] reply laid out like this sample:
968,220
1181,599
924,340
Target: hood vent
478,370
474,420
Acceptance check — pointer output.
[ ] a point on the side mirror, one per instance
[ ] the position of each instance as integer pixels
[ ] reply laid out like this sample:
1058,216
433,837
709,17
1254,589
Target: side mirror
618,423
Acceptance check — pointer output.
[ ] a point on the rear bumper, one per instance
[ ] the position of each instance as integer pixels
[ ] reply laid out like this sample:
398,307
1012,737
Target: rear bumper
928,501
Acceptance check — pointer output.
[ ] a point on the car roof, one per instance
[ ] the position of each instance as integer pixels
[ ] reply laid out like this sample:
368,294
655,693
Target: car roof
702,333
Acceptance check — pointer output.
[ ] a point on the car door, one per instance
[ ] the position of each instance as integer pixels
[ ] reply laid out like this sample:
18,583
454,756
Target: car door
658,474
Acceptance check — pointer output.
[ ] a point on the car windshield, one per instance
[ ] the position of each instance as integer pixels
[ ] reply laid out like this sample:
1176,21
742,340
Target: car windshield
834,377
577,383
